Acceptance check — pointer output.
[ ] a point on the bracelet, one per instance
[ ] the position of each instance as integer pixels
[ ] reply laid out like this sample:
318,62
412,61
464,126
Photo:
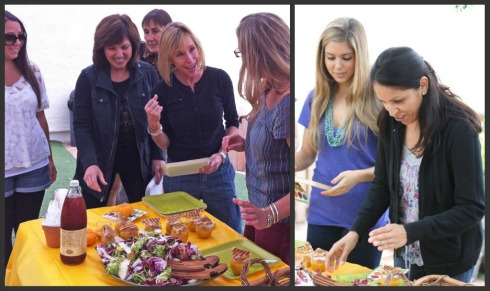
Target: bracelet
223,155
155,133
276,216
269,218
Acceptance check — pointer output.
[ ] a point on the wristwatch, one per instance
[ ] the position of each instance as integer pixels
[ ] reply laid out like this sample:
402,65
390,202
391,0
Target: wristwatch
155,133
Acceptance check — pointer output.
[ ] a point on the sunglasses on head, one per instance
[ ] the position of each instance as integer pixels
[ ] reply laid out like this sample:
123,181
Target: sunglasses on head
11,38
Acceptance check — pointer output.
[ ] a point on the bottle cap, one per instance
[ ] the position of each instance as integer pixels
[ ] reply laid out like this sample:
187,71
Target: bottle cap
74,183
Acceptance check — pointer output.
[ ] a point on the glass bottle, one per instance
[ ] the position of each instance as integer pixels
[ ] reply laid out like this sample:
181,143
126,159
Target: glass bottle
73,227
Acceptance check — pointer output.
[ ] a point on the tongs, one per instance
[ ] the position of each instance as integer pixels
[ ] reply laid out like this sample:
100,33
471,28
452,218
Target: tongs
198,270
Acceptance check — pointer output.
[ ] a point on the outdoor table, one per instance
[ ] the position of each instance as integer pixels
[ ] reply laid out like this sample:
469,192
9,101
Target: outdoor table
33,263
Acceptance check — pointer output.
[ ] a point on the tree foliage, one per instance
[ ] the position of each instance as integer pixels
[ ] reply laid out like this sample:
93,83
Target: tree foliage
460,8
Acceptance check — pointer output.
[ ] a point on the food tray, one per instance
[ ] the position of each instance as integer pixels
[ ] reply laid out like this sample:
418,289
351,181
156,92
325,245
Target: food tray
128,243
185,167
380,273
172,203
300,193
223,251
137,213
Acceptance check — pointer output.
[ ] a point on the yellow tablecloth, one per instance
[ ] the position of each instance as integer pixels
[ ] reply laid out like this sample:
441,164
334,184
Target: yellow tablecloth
33,263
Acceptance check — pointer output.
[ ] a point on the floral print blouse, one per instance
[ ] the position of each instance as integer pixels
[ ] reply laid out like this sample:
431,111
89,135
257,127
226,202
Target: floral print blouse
409,204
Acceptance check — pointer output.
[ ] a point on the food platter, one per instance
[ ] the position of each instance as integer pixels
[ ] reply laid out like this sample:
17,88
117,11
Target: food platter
189,283
139,261
300,193
137,213
223,251
173,203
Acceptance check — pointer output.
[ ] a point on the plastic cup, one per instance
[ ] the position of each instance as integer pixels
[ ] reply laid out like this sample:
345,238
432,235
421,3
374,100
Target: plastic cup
318,264
204,230
52,234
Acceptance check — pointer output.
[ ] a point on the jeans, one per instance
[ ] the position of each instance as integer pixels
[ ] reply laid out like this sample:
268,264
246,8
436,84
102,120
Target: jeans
33,181
216,190
416,272
20,207
324,236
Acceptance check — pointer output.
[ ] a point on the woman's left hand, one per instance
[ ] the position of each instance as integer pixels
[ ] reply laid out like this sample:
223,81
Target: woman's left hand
345,181
390,236
157,167
215,162
252,214
52,170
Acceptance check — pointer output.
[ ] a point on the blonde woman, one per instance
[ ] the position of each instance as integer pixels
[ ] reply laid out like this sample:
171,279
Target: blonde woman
186,117
263,44
339,117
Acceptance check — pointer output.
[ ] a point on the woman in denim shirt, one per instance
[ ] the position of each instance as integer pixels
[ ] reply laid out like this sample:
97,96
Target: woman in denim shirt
109,119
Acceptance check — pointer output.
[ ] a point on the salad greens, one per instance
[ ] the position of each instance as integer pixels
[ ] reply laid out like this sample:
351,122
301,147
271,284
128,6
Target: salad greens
142,260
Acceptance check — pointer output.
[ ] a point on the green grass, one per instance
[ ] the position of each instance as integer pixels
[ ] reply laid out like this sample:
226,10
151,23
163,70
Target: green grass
65,164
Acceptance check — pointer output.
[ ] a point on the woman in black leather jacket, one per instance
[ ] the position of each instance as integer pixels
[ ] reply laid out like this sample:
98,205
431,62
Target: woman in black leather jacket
109,119
428,172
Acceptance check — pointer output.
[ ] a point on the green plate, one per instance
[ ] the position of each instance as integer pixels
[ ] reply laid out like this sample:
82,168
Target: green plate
173,203
298,243
223,251
349,278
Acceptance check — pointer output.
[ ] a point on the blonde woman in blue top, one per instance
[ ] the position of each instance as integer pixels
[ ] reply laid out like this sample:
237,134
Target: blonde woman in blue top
339,116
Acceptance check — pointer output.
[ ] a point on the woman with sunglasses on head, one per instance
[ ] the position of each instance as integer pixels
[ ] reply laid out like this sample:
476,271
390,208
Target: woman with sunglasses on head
109,119
263,45
29,166
192,109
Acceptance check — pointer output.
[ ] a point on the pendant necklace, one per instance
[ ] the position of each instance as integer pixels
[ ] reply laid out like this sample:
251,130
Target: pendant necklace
334,139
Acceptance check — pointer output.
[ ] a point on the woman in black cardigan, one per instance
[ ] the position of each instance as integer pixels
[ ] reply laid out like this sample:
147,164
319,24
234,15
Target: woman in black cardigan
428,172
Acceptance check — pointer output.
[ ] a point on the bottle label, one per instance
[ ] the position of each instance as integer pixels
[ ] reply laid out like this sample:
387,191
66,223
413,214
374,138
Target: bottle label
73,242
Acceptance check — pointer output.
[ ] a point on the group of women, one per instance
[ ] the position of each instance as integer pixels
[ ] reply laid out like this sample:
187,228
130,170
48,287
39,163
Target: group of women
129,111
399,148
402,154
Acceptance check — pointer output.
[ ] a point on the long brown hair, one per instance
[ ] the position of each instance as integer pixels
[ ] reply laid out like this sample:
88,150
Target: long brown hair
264,43
361,102
22,60
402,67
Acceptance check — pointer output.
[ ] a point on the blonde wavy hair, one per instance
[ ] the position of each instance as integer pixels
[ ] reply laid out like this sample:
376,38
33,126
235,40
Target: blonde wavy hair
361,102
173,35
264,42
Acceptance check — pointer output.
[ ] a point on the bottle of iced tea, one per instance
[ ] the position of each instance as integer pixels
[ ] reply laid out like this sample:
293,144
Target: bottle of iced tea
73,227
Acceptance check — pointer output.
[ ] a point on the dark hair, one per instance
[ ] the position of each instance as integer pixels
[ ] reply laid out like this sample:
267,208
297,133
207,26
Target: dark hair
403,68
22,60
111,30
159,16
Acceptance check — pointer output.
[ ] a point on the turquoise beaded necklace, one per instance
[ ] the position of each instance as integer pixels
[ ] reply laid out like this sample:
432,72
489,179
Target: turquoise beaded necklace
334,139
